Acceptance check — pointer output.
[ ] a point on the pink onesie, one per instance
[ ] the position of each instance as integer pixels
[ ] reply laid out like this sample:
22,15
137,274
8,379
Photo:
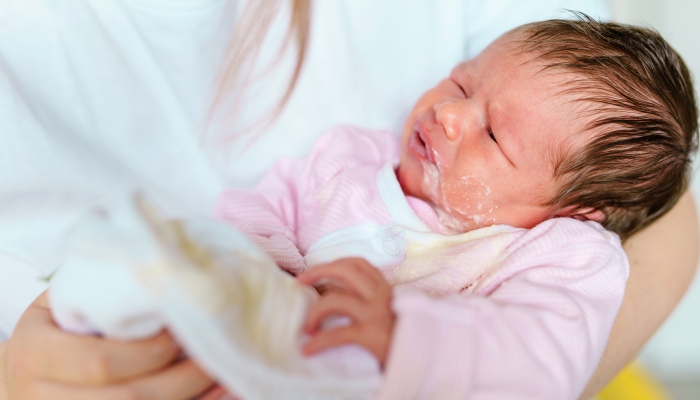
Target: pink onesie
495,313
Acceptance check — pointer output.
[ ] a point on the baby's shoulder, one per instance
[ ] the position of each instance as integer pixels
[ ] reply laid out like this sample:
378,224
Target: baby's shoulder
355,145
352,152
562,251
562,231
568,243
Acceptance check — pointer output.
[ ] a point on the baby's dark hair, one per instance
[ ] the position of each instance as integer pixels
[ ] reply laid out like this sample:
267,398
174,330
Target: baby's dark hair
643,119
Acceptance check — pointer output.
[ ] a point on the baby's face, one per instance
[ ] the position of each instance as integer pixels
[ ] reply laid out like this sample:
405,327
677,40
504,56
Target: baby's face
481,146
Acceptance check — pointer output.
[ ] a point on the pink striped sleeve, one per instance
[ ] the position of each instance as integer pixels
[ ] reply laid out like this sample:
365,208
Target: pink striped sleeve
269,212
268,209
534,329
300,200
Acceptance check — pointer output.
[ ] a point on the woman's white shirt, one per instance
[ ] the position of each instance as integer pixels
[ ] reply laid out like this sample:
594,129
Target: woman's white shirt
101,97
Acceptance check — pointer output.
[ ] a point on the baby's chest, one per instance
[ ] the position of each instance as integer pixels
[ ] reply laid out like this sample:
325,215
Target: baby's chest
435,263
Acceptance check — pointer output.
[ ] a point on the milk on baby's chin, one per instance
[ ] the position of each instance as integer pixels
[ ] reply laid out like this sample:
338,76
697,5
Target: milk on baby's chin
449,216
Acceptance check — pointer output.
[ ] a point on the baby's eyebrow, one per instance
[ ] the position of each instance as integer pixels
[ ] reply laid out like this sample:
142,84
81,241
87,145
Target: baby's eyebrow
462,75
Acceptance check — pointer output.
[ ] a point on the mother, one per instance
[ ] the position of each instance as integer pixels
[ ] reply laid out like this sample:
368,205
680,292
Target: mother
100,96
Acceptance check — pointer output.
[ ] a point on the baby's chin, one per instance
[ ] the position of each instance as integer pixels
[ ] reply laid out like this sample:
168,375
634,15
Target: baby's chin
406,175
410,178
423,182
446,223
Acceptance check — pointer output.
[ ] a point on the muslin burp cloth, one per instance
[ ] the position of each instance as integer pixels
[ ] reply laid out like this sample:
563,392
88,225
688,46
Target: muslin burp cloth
130,273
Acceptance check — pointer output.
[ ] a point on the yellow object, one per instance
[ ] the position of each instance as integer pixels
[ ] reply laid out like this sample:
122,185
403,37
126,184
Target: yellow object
634,383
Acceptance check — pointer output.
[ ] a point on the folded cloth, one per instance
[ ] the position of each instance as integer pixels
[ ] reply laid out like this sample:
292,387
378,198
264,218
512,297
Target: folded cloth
129,273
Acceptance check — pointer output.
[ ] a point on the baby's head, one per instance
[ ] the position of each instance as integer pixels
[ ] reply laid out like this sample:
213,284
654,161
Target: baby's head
579,119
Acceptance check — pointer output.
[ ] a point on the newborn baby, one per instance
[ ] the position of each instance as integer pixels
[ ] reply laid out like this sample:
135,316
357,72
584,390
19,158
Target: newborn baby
472,259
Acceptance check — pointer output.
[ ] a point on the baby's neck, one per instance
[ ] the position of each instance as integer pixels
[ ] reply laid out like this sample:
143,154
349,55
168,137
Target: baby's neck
426,213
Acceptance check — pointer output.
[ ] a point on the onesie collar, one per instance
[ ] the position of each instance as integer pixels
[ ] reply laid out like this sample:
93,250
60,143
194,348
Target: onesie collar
395,200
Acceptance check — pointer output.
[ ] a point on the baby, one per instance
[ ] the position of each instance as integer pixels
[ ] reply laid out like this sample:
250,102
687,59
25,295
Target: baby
478,258
491,219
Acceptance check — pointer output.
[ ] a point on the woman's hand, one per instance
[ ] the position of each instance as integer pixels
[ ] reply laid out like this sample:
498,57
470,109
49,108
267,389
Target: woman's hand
42,362
363,295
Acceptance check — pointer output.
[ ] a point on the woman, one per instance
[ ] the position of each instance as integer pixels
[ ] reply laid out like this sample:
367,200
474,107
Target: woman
99,97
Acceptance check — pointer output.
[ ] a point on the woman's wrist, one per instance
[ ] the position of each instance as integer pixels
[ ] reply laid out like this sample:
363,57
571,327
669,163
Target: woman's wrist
3,371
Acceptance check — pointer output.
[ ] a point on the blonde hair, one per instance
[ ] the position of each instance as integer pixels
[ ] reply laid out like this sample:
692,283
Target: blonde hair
243,51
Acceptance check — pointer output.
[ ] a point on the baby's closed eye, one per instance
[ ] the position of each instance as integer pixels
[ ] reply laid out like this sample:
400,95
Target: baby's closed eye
492,136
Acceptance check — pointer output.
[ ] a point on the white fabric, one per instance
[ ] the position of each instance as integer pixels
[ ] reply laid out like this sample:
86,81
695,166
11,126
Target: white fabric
129,273
100,96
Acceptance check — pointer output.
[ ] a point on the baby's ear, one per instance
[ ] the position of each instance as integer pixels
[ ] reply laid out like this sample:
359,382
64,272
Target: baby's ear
582,214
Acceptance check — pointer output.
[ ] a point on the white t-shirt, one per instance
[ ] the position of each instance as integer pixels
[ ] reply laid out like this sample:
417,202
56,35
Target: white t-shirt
99,97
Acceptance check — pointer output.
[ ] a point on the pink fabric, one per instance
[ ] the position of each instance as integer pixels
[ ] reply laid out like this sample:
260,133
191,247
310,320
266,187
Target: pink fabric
533,326
425,213
306,199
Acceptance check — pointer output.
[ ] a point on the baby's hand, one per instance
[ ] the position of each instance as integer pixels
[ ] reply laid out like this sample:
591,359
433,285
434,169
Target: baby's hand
363,295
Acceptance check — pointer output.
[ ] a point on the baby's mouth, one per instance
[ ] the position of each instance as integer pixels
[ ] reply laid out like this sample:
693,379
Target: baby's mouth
419,148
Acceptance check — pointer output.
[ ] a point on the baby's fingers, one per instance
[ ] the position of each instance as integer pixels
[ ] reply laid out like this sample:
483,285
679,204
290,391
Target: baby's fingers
355,274
332,338
333,304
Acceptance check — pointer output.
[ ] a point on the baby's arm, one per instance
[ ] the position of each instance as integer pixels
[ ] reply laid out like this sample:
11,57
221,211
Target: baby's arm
268,213
536,328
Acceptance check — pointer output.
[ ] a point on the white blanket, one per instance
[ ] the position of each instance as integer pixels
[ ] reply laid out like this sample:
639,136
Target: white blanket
129,274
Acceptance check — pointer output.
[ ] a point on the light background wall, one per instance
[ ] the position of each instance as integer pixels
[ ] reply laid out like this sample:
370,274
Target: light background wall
674,352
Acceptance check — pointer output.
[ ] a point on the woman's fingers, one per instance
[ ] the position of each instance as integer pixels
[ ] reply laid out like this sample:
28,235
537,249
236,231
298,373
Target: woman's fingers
46,390
333,304
55,355
181,381
217,393
355,274
99,361
43,362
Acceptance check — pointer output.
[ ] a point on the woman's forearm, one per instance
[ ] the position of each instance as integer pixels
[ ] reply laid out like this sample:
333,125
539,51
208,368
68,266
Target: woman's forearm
663,259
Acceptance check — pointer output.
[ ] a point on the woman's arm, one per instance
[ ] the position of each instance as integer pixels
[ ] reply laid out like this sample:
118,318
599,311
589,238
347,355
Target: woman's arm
663,260
3,389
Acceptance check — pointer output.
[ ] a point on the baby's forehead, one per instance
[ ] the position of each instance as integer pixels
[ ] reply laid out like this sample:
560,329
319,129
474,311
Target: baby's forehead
517,85
505,61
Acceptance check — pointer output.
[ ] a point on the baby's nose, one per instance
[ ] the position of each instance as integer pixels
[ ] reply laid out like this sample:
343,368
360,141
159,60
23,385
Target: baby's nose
455,116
